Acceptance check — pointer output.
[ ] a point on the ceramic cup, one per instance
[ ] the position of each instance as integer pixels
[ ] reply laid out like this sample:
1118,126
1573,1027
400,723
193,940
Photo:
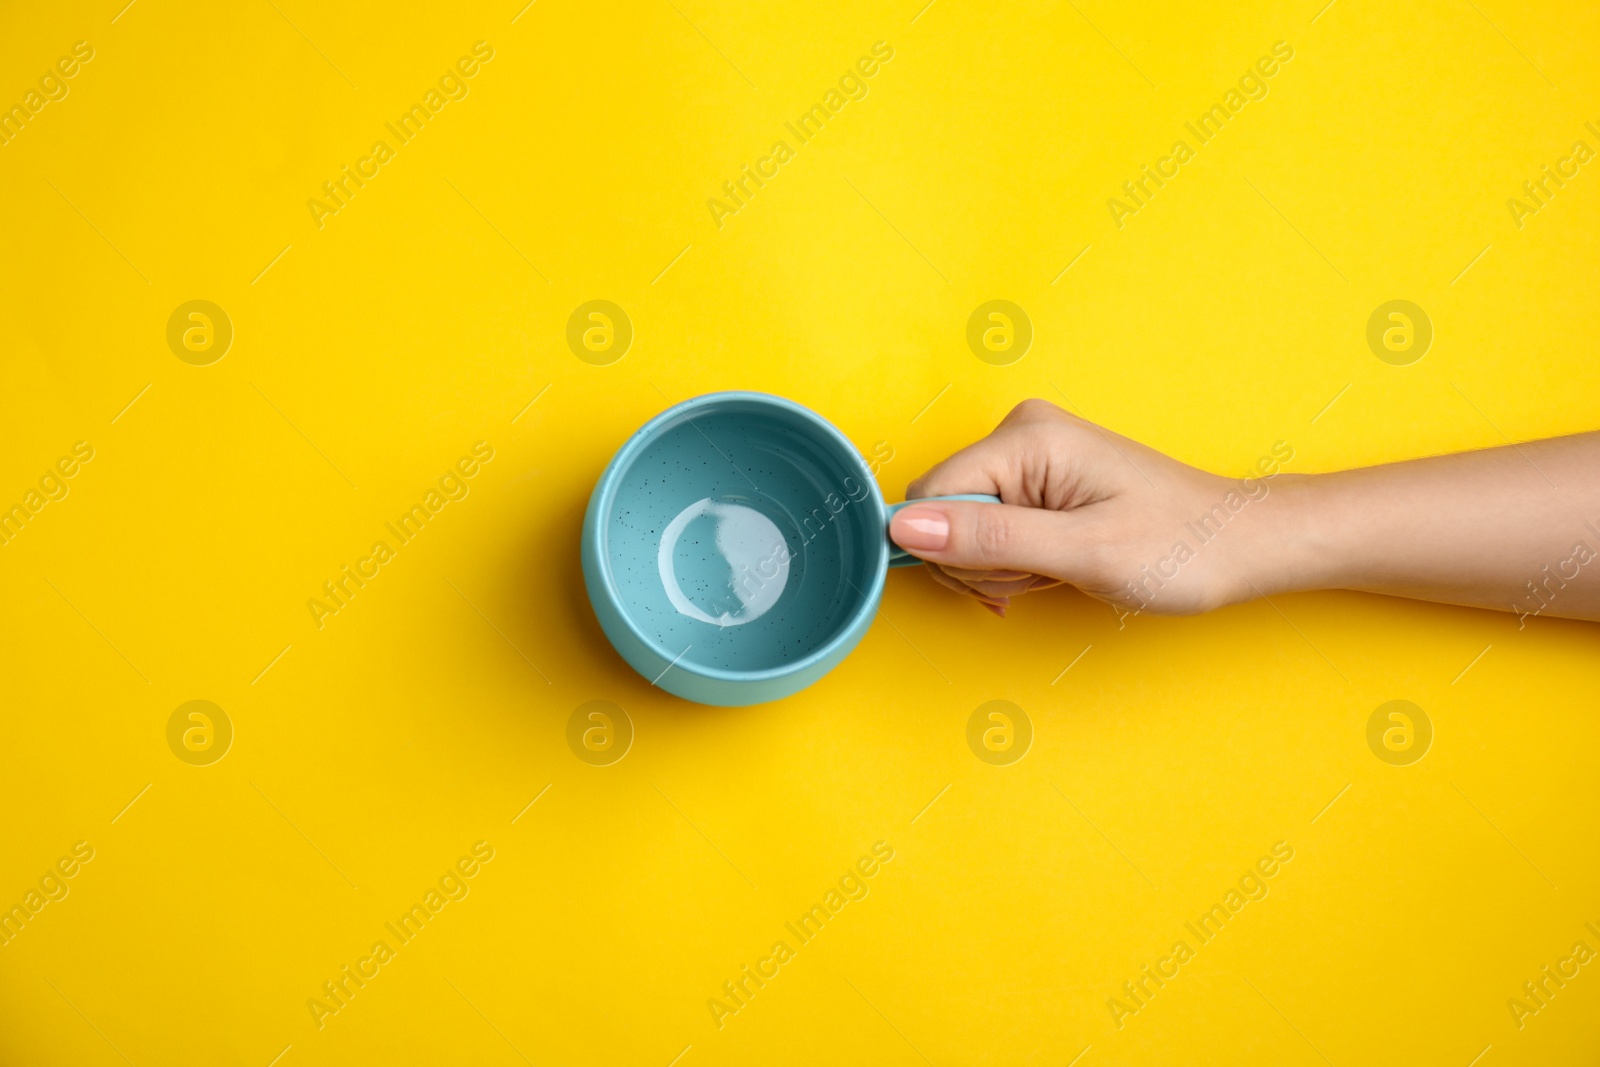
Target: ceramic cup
735,548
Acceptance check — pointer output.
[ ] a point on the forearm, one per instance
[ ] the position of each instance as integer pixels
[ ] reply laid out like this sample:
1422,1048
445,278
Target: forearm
1514,528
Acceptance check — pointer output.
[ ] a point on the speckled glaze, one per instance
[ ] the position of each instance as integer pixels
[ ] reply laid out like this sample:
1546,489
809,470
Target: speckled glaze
686,475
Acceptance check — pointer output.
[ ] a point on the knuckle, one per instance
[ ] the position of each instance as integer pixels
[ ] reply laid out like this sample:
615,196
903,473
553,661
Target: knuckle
1032,409
992,536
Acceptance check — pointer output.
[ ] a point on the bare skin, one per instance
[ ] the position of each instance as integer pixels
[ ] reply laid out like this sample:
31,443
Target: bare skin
1512,529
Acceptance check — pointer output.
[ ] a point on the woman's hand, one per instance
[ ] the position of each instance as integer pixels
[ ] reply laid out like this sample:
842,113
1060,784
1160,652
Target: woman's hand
1514,528
1082,505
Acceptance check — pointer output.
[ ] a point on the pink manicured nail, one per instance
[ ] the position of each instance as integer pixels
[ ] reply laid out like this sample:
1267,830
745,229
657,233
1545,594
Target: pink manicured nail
920,528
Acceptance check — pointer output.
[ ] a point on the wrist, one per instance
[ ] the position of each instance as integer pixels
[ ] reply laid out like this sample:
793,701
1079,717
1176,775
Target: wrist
1284,547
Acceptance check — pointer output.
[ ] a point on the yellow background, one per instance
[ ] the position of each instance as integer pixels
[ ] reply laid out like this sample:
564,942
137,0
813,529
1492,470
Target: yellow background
431,310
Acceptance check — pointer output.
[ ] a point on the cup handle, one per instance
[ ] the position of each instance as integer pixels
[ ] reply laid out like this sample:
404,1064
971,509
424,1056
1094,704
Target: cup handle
899,557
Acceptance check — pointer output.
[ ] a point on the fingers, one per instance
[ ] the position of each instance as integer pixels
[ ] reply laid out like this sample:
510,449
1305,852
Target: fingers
1053,469
982,467
967,575
1040,456
993,583
991,537
993,464
997,605
1015,587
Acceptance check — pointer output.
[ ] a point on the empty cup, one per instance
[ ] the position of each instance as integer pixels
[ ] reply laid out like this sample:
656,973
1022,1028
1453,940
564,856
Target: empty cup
735,548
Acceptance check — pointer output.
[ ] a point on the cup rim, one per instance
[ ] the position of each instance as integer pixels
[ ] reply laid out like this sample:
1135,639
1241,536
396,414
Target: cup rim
605,496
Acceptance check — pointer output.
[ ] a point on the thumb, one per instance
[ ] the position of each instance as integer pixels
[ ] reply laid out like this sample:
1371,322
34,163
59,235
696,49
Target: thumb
1000,537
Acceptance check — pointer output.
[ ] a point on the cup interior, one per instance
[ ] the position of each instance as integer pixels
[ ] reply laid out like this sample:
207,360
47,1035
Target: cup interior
743,534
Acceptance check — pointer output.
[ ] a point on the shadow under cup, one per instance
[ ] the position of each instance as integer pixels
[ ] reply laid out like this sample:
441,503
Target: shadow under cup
739,538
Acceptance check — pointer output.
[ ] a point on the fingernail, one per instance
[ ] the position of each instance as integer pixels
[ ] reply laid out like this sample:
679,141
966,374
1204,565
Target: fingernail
920,528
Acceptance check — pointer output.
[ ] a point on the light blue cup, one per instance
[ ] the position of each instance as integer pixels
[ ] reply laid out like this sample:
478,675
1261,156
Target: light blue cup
735,548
